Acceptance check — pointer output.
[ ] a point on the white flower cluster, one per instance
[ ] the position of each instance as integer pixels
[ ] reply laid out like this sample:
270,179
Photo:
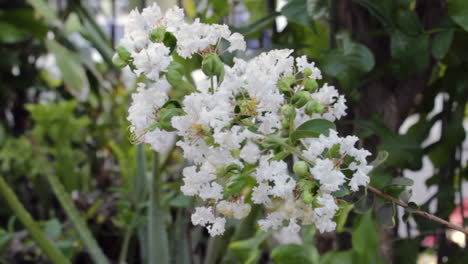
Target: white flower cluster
233,127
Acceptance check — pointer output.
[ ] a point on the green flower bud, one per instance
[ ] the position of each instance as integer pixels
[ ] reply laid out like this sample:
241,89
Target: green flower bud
175,73
300,98
235,153
288,111
124,54
307,72
311,85
307,197
301,168
212,65
313,106
284,84
157,34
118,61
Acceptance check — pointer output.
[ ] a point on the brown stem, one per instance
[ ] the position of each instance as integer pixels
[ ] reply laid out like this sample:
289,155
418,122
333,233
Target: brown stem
418,212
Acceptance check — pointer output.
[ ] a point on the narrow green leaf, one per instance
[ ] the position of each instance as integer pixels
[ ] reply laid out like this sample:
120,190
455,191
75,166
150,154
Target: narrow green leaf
72,70
458,10
313,128
158,247
43,8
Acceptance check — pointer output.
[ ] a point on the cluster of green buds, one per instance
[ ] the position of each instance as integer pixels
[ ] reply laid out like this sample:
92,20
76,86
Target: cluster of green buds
300,88
160,34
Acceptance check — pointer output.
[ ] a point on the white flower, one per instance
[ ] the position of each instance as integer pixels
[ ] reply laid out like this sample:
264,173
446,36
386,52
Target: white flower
330,178
325,214
201,183
273,220
152,60
250,152
237,210
204,216
275,175
237,42
145,104
302,64
195,37
160,140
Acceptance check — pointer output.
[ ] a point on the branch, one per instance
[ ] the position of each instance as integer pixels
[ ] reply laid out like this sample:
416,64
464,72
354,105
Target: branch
418,212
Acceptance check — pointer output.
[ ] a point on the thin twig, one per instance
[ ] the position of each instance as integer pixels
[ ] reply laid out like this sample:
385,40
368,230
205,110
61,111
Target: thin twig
418,212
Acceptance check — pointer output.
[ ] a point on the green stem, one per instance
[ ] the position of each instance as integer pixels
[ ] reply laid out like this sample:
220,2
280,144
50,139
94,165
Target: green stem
126,241
74,216
37,234
158,248
290,148
212,85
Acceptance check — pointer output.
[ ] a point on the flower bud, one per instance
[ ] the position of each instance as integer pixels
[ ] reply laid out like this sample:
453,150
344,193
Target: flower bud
288,111
284,84
313,106
118,61
212,65
124,54
157,34
311,85
300,98
307,72
174,73
301,168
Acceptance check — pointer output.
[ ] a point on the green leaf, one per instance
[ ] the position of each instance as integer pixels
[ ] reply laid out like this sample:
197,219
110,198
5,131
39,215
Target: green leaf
364,237
337,257
380,159
408,22
53,228
43,8
441,43
11,34
342,215
248,249
296,11
401,181
313,128
405,196
410,53
349,61
380,9
365,203
386,215
458,10
291,254
74,75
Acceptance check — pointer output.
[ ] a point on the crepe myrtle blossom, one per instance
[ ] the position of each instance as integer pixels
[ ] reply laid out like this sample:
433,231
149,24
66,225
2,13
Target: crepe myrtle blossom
236,127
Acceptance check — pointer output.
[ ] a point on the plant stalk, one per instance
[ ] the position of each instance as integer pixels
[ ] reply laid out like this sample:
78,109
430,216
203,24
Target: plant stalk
418,212
74,216
54,254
